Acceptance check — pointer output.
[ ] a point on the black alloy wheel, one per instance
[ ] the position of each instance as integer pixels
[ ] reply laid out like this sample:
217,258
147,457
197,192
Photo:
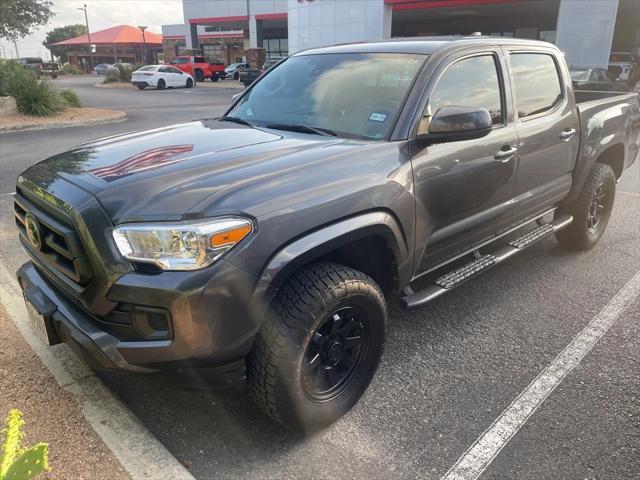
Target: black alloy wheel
597,208
161,84
335,352
591,210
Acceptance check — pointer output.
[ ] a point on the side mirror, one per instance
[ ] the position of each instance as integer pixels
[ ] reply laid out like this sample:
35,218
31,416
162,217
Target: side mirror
454,124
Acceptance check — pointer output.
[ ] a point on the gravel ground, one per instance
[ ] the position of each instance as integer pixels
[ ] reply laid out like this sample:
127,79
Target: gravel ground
51,415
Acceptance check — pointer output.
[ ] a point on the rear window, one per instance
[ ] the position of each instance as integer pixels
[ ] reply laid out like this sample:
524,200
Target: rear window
199,60
537,83
146,69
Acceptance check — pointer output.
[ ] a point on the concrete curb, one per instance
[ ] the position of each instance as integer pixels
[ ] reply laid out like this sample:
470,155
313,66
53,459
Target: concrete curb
116,118
141,455
115,85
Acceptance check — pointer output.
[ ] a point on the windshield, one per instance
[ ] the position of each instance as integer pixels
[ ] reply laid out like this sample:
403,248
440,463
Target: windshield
579,75
354,95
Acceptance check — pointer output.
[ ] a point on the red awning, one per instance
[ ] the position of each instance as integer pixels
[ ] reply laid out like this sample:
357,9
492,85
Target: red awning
119,34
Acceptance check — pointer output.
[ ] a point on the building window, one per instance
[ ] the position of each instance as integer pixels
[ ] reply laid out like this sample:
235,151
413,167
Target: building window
180,50
548,36
276,47
213,52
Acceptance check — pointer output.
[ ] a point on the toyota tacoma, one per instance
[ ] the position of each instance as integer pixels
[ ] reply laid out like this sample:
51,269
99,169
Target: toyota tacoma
267,242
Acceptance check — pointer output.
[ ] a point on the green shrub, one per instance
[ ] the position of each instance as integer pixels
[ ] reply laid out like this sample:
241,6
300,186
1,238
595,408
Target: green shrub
112,76
70,97
69,69
37,97
124,73
11,73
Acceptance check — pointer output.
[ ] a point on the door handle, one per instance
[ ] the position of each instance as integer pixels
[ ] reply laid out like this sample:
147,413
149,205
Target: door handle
567,134
505,154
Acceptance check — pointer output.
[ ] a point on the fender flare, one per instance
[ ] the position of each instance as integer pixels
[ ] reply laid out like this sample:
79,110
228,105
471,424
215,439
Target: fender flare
589,156
316,243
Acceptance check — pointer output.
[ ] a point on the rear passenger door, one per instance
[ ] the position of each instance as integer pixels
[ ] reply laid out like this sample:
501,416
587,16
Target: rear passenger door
547,129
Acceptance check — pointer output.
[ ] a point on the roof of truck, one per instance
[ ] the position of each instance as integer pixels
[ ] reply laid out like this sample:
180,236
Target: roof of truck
422,45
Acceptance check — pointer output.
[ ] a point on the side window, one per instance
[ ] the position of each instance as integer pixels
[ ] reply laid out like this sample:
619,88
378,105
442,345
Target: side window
536,81
472,82
199,60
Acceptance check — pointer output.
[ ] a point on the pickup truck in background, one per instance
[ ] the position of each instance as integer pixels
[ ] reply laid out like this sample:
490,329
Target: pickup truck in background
269,240
199,68
40,67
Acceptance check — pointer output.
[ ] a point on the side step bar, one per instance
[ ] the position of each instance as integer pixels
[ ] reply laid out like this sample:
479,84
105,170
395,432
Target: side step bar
481,263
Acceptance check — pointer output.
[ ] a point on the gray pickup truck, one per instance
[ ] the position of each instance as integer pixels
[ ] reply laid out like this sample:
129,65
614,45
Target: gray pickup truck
269,240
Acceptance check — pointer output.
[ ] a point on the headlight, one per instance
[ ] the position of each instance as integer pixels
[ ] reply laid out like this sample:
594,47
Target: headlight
180,246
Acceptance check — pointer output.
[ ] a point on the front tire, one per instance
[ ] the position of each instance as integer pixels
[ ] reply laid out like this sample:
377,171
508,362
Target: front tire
591,210
189,83
318,347
199,75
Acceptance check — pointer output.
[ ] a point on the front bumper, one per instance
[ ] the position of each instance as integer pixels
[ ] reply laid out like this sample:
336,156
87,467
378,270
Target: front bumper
212,324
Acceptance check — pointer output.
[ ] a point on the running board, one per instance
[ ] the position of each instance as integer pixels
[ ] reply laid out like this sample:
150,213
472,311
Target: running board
481,263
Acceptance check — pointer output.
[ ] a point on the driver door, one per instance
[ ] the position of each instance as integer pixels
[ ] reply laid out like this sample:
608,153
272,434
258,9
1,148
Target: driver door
463,188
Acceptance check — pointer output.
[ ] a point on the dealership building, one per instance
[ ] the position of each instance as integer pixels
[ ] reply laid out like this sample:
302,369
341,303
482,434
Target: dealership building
587,31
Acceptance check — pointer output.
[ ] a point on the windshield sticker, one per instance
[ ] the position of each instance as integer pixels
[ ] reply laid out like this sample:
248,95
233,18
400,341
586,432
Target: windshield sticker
377,117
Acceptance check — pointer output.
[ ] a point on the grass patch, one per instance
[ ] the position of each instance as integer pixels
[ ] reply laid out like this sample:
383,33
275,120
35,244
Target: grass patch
71,98
39,98
112,77
69,69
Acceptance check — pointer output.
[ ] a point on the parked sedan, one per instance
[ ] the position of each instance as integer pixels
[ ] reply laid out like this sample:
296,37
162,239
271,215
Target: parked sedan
102,68
234,70
161,77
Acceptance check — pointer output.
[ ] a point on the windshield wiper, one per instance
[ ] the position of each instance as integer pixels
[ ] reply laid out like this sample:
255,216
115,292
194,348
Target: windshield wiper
227,118
298,127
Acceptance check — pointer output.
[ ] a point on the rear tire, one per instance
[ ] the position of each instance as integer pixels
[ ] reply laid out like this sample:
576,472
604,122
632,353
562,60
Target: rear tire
318,347
591,210
141,87
215,78
161,85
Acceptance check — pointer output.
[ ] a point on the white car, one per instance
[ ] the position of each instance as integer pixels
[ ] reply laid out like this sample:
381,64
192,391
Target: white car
161,76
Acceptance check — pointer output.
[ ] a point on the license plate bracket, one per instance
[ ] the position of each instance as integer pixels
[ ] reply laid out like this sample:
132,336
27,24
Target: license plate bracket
40,311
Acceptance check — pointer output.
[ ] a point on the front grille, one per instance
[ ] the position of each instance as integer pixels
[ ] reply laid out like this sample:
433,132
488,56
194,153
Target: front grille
51,240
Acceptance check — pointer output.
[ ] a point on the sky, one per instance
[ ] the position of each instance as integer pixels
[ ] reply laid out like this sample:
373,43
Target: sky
102,14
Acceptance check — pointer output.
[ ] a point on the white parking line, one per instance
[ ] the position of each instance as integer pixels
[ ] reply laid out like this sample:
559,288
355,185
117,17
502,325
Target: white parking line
480,455
139,452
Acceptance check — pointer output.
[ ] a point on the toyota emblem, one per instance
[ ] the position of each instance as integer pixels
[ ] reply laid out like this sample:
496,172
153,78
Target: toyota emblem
33,231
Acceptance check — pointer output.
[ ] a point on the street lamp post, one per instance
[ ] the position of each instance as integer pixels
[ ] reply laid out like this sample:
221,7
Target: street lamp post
144,44
86,21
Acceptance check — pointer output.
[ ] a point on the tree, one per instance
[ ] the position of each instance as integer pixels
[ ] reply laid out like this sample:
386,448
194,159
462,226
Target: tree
63,33
18,17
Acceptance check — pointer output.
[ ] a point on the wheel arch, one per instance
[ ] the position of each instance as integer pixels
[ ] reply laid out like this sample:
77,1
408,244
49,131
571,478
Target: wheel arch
612,154
351,242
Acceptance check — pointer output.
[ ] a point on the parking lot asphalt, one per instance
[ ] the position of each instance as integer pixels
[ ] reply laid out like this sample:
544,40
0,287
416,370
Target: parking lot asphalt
448,371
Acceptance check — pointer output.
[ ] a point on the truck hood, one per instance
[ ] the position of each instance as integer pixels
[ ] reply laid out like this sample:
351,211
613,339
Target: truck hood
167,173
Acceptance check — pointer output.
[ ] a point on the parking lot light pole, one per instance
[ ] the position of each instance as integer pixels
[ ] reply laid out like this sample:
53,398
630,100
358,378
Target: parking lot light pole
86,21
144,44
